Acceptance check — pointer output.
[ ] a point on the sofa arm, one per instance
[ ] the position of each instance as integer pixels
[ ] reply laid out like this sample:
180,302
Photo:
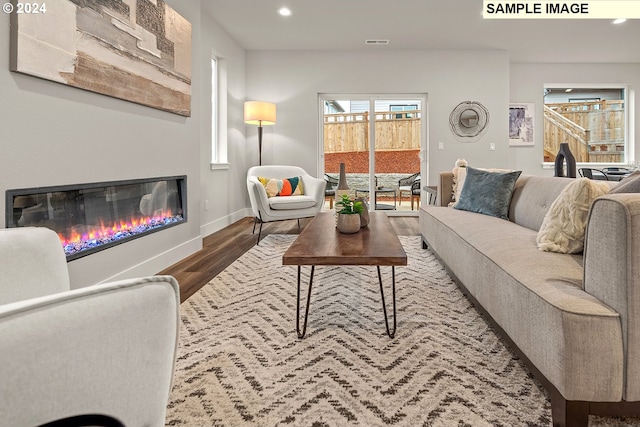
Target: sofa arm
445,189
612,271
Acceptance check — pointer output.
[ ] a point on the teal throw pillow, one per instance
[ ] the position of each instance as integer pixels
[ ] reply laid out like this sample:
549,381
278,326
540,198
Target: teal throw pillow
488,193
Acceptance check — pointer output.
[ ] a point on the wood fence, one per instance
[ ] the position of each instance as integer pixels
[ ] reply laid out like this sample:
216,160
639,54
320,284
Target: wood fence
395,130
594,130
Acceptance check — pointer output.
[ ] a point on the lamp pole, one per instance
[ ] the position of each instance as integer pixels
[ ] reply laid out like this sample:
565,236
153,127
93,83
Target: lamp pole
260,143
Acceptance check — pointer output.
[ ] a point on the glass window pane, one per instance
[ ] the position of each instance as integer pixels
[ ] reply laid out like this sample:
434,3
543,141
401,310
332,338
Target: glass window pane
591,120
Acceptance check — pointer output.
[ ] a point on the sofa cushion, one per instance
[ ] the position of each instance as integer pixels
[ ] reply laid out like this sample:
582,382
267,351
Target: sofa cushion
630,184
282,187
487,192
291,202
564,224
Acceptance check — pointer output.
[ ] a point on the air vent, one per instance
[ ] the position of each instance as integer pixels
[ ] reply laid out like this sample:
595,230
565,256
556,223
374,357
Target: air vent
373,41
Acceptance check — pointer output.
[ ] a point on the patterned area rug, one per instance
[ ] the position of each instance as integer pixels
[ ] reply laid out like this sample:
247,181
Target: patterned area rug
241,364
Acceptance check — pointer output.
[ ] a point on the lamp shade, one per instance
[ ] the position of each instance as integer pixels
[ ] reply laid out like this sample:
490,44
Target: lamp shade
259,113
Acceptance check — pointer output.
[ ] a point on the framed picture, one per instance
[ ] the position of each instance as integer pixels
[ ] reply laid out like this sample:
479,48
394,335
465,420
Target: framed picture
136,50
521,129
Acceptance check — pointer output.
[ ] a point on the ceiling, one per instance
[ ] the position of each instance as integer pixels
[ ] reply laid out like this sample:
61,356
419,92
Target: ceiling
421,24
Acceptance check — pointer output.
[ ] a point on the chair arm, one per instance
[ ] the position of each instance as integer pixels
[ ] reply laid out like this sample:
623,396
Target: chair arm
32,263
314,187
108,349
258,196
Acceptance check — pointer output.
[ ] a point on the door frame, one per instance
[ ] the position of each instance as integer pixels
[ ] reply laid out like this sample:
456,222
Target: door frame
372,98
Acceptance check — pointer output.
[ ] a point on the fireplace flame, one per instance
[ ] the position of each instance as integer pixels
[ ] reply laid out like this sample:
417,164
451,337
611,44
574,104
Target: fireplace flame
108,232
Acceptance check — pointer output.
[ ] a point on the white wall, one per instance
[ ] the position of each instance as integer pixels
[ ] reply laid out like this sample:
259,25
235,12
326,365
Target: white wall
293,81
52,134
224,189
527,83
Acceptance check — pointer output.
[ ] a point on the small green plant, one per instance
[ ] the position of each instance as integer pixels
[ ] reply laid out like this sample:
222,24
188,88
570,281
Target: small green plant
349,206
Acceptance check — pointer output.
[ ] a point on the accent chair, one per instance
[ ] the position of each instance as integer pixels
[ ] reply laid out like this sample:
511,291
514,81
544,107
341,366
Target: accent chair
273,207
102,354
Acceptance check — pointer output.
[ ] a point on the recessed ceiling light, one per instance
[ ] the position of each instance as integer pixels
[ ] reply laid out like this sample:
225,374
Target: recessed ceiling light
285,11
619,21
568,90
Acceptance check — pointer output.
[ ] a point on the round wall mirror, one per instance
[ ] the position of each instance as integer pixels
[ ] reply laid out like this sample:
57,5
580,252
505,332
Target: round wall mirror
468,118
468,121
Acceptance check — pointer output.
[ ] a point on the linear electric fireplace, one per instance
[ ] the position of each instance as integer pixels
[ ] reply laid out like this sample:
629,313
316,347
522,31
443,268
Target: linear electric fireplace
92,217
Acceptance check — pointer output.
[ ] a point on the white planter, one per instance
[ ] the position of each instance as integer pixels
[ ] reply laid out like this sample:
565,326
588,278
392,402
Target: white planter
348,223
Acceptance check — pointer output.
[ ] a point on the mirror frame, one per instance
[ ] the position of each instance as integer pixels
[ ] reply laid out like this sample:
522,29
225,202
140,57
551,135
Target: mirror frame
462,131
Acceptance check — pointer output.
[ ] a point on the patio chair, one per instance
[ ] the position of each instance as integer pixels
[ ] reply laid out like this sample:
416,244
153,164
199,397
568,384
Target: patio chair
330,189
415,193
615,173
595,174
405,185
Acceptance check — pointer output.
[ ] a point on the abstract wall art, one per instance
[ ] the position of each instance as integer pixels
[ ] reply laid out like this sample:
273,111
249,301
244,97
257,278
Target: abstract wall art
136,50
521,129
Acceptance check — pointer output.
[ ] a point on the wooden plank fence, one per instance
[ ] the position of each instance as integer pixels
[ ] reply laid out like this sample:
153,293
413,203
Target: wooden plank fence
594,130
395,130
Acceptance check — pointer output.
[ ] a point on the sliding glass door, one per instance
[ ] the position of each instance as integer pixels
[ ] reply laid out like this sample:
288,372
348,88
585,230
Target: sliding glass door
379,139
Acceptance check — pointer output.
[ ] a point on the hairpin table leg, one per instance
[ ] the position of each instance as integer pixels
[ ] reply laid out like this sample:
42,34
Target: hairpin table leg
306,311
384,306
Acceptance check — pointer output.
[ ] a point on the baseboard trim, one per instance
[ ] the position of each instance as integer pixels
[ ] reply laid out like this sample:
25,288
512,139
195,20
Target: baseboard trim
159,262
225,221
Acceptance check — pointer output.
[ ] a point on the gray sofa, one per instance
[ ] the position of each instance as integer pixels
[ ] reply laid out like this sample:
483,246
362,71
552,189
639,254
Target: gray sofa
573,319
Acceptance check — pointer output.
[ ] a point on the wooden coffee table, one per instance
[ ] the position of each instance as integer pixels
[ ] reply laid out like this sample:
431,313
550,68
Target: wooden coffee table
320,243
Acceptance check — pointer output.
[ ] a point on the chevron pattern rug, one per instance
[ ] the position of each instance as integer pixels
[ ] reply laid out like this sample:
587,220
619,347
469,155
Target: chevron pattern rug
240,362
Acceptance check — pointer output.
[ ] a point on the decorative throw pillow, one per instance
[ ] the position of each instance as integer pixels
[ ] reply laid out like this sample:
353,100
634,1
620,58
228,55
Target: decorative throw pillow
564,225
282,187
459,175
630,184
487,192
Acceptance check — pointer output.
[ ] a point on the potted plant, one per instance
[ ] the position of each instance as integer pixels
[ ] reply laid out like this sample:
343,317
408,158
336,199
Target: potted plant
348,220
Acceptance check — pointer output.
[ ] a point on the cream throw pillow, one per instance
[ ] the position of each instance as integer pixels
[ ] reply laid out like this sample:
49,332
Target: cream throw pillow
565,223
459,175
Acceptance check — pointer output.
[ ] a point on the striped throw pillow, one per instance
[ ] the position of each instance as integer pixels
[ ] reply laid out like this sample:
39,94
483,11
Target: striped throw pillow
282,187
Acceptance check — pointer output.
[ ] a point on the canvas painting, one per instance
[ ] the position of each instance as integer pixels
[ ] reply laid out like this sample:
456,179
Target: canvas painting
136,50
521,128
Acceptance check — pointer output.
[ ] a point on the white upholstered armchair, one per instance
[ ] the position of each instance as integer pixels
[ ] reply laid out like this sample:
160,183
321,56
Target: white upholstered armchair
105,351
278,208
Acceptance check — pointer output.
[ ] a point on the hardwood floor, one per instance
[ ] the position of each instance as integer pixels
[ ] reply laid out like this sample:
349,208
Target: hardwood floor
225,246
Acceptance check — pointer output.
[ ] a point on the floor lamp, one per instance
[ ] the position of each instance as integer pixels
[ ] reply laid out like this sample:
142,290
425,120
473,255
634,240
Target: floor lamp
261,114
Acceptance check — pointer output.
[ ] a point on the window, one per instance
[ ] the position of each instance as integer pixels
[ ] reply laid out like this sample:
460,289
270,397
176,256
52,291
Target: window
592,119
218,113
214,111
404,107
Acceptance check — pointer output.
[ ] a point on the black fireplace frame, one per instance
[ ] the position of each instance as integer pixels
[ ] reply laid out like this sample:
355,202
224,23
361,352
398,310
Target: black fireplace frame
181,181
